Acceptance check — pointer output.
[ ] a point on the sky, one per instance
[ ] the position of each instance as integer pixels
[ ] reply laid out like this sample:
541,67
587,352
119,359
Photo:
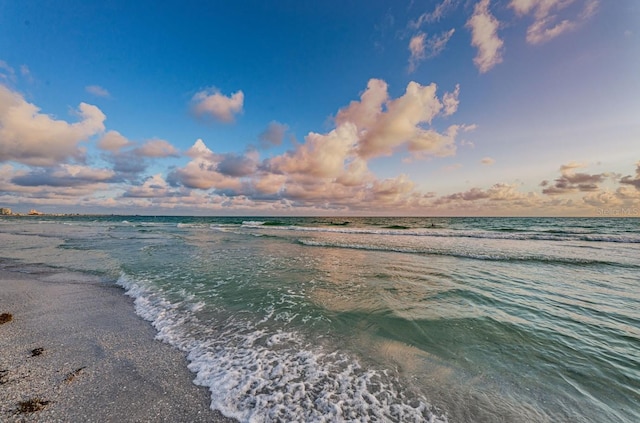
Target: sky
428,108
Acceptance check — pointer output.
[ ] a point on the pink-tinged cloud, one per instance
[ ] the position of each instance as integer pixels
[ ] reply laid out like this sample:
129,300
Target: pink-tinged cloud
484,36
113,141
202,171
30,137
321,156
423,48
212,104
157,149
385,124
570,181
552,18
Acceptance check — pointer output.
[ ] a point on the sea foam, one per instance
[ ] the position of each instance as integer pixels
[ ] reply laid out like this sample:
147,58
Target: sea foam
257,375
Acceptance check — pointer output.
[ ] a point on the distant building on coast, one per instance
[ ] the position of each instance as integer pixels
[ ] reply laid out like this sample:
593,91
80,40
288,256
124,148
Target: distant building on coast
34,212
5,211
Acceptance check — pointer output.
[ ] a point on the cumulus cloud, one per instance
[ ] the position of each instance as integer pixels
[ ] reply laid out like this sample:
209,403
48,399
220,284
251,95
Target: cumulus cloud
321,156
157,148
484,36
273,135
423,48
97,90
113,141
384,124
153,187
33,138
202,171
211,103
571,181
552,18
330,169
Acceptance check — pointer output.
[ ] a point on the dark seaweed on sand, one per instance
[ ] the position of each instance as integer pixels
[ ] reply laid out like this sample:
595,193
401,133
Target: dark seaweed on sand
37,351
5,318
32,405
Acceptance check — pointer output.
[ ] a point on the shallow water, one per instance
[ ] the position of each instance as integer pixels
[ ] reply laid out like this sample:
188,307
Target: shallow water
377,319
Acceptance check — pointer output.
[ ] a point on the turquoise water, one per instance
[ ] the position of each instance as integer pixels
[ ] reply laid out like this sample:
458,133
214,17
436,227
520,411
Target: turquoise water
377,319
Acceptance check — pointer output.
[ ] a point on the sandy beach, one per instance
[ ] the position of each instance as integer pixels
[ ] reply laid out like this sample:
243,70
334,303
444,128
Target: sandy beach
74,350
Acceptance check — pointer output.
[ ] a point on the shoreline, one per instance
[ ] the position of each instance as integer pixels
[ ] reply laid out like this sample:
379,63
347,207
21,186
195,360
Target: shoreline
75,350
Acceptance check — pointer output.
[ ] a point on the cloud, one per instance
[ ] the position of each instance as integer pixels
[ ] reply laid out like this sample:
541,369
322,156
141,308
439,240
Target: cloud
153,187
423,48
64,175
487,161
498,193
202,171
384,124
570,181
211,103
113,141
484,35
238,165
97,90
629,180
549,19
273,135
157,148
438,13
416,47
30,137
7,73
451,102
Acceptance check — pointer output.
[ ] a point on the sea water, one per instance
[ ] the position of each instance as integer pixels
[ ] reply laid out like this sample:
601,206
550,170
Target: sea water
376,319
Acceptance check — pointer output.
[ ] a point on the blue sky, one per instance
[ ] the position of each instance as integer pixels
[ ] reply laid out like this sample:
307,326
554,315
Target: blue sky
447,107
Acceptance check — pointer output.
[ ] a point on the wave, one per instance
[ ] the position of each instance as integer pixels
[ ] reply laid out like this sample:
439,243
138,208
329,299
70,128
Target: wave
258,374
465,254
554,235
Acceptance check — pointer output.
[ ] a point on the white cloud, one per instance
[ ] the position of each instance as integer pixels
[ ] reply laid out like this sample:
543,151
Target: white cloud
484,35
97,90
30,137
552,18
211,103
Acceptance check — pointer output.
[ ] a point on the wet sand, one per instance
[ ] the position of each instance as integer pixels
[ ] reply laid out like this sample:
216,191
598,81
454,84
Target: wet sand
75,351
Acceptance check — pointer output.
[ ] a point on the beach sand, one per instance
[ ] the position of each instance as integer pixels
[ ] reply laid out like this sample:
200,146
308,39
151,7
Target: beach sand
75,351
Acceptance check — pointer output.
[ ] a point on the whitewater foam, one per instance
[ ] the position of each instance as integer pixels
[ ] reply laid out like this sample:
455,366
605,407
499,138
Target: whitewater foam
255,375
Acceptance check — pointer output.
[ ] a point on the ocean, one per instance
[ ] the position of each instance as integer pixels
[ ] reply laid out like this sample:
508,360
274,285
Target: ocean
316,319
